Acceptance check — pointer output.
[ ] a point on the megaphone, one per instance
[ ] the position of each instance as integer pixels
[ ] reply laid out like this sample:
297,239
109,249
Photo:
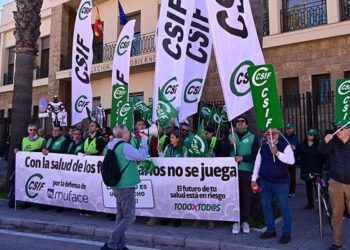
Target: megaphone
151,131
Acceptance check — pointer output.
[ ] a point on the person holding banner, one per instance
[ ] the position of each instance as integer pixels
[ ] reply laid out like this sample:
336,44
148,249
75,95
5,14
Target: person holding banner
77,145
127,156
271,165
57,143
245,146
94,143
337,147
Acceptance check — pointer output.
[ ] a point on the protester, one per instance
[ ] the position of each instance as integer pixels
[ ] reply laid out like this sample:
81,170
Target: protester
214,145
77,145
31,143
225,144
311,162
338,149
271,164
71,132
294,142
245,146
94,143
124,192
41,133
186,134
56,143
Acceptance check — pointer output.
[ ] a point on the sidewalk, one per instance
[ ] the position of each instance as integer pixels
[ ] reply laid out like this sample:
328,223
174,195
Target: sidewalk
305,229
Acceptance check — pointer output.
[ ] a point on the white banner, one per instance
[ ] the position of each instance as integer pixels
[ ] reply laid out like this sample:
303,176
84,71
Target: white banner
191,188
172,36
198,54
82,56
236,47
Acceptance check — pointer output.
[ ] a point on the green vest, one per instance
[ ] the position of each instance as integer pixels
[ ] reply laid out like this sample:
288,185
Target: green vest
91,148
177,153
32,146
162,141
243,147
78,149
55,146
130,177
211,146
136,142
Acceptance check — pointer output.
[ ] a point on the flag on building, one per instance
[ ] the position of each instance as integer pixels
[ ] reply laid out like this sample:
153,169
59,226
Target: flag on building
122,17
98,28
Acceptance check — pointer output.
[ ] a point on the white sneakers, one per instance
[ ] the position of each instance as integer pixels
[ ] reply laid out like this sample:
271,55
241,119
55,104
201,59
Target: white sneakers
236,228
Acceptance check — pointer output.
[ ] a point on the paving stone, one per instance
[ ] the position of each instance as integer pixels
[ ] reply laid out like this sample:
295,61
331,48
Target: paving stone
103,232
82,229
169,240
142,237
198,243
11,221
33,224
57,227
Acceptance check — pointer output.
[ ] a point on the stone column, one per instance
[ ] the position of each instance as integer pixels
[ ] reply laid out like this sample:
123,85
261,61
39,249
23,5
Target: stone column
333,11
275,8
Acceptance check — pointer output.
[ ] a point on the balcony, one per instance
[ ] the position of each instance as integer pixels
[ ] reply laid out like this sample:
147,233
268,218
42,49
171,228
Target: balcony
304,16
344,10
141,44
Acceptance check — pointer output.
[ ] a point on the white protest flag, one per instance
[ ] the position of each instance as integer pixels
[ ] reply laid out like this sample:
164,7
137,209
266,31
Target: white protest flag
198,54
173,27
236,47
81,63
121,70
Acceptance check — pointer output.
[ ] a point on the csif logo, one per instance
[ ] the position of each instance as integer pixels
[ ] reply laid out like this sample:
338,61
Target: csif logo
124,110
162,110
217,118
85,10
33,185
206,111
261,76
239,82
81,103
123,45
119,92
344,88
169,89
197,145
192,90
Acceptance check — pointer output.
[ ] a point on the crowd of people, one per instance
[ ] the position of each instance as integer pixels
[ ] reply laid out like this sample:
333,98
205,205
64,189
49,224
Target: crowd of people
267,161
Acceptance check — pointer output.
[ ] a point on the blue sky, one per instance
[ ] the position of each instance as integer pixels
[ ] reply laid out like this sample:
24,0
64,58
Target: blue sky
2,2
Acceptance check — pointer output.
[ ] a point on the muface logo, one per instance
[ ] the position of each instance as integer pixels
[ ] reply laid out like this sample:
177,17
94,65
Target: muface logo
33,185
85,10
193,90
261,76
81,103
239,82
123,45
124,110
119,92
344,88
169,89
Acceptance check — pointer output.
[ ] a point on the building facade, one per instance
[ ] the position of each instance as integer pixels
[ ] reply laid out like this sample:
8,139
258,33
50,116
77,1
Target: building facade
308,41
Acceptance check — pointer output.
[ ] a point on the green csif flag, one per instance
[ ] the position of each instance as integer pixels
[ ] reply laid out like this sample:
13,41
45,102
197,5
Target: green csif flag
143,108
165,111
342,100
126,115
223,114
205,110
199,144
215,115
119,97
263,86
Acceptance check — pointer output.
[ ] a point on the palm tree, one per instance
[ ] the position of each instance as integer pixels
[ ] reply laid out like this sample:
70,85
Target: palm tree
27,32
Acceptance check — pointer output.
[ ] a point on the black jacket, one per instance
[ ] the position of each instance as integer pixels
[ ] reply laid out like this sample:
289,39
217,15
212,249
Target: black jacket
339,159
310,159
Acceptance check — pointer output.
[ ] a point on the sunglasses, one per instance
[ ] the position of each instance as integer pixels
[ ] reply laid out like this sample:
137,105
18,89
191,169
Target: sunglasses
273,133
240,121
185,130
34,129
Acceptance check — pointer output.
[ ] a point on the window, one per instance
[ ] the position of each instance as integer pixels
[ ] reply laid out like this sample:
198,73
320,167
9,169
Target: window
8,78
321,88
139,95
35,112
95,102
136,43
347,74
2,114
266,24
290,87
97,47
9,114
45,55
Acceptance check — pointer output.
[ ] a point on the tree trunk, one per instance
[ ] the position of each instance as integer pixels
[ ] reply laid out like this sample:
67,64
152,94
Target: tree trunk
27,32
257,9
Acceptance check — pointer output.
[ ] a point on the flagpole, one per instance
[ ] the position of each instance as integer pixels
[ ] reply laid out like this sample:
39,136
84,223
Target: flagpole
285,138
233,134
159,150
274,159
336,132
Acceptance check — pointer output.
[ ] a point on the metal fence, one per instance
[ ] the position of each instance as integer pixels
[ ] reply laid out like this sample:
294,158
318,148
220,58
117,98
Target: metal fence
266,24
141,44
344,9
304,16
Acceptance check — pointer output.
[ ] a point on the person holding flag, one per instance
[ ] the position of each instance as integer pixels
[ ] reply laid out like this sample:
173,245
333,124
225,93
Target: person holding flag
337,147
245,146
214,145
271,165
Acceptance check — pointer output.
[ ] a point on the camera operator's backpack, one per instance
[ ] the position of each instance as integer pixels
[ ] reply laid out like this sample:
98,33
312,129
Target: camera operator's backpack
110,170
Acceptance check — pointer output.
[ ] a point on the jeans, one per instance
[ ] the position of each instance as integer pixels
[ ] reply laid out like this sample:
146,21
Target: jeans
281,193
125,216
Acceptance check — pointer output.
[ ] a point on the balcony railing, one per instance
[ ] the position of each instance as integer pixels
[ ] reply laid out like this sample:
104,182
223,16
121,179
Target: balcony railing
304,16
345,10
266,24
141,44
